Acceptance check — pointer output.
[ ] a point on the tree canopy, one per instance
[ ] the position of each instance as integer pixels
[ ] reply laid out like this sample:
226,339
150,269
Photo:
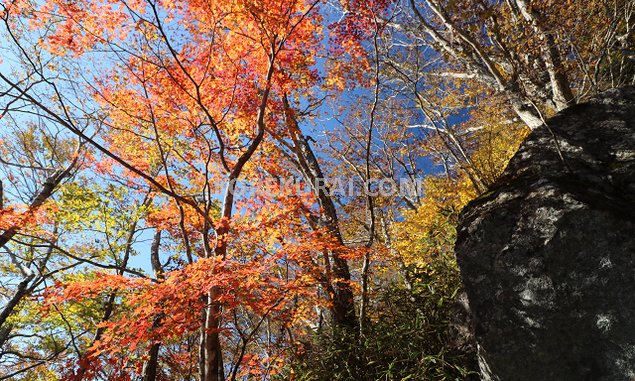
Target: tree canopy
265,189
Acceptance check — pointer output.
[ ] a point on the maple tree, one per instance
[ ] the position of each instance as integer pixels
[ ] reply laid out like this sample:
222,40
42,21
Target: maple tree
197,108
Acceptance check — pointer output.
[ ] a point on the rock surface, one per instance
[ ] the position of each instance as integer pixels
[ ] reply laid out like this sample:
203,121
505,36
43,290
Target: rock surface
548,255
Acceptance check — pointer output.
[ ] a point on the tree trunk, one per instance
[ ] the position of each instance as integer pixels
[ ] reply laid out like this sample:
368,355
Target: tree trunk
562,96
20,293
526,111
343,310
151,366
38,200
212,351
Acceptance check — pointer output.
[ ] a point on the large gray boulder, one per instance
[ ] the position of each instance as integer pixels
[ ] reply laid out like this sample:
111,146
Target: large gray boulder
548,255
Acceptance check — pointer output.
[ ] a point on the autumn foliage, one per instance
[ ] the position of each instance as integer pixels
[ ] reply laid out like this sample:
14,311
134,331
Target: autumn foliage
128,129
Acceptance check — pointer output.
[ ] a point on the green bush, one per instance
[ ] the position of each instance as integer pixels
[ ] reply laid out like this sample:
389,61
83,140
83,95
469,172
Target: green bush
409,336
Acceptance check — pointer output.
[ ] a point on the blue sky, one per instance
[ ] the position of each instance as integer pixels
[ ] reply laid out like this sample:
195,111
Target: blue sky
325,125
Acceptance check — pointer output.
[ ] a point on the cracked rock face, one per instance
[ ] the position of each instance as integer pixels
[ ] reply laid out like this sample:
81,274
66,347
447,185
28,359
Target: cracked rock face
548,255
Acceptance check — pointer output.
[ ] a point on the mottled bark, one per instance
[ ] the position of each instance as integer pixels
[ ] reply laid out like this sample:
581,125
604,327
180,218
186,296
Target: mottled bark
562,96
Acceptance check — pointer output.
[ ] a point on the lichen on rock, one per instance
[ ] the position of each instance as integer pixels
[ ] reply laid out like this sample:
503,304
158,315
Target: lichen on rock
548,255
